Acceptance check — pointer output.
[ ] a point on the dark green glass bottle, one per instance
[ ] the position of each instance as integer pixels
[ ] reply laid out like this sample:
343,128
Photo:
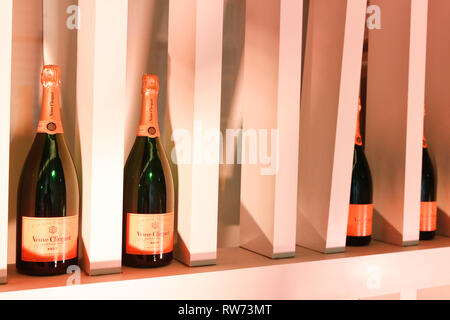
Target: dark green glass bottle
428,206
48,196
359,229
148,205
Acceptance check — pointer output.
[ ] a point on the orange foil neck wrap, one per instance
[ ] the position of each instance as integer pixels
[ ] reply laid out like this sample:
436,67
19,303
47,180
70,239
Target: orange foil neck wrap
50,121
428,216
148,127
360,220
358,139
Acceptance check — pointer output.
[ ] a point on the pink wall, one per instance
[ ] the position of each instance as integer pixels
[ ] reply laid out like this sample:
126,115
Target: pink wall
27,59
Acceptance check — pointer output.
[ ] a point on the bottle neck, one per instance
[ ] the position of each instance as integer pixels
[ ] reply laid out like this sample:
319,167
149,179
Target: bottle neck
50,121
358,139
148,126
424,141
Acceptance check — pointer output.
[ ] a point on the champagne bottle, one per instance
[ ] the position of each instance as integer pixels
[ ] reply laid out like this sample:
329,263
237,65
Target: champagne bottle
148,205
359,227
48,196
428,205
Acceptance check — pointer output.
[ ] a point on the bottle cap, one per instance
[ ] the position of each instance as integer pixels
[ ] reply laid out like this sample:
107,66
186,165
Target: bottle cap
150,83
51,76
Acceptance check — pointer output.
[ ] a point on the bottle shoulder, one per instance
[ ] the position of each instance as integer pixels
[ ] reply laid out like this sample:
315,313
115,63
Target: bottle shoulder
48,150
146,151
360,163
147,157
361,185
428,185
48,184
427,164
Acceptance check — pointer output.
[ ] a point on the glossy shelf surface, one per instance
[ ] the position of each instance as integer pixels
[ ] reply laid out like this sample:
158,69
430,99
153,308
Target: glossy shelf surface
360,272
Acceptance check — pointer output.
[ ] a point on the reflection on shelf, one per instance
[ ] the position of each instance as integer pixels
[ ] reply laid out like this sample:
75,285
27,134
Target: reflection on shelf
360,272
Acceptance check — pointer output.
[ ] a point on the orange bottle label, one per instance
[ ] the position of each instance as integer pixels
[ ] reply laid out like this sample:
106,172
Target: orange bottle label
148,127
49,239
50,121
360,220
428,216
149,233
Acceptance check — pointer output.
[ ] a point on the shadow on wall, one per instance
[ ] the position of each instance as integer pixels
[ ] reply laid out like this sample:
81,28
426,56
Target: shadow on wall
254,238
443,222
383,230
25,97
146,53
231,118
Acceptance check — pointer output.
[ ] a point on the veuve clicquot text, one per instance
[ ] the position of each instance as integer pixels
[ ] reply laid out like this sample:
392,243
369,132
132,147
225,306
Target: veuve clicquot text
148,205
359,227
428,204
48,198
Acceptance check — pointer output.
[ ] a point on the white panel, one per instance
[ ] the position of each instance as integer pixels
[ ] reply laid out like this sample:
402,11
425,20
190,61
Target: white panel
269,95
288,123
194,86
5,102
331,80
345,133
394,118
101,84
437,97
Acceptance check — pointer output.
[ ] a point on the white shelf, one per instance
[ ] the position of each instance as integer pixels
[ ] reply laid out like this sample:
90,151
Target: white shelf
364,272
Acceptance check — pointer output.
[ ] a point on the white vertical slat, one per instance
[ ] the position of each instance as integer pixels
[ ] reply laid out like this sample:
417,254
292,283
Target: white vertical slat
394,123
269,96
437,100
328,121
5,102
288,124
101,86
194,86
